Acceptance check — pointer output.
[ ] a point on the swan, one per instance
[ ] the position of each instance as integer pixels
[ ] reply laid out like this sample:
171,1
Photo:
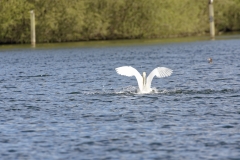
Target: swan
144,83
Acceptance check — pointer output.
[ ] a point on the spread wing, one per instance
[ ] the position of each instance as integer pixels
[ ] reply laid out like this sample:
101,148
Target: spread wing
130,71
158,72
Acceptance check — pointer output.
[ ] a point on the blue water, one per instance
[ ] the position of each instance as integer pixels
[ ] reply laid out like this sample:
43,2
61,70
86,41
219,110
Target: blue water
69,103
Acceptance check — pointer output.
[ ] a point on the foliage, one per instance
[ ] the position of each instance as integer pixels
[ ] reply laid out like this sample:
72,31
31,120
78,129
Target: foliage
14,21
227,15
76,20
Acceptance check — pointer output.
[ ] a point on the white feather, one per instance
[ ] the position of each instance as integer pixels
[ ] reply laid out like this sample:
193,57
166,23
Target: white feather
130,71
159,72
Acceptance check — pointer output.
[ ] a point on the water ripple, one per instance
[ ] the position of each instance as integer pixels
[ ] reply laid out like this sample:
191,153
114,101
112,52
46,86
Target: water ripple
69,103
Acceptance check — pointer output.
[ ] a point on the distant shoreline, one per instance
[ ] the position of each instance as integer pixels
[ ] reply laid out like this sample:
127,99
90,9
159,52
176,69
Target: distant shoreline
204,36
123,42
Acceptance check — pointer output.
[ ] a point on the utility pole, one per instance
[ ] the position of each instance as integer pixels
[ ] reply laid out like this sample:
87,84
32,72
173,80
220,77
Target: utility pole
211,19
33,33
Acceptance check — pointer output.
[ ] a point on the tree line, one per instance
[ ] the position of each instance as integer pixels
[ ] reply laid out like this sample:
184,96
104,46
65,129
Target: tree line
82,20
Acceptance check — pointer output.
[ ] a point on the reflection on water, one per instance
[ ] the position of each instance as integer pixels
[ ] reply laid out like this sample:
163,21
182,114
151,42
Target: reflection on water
65,101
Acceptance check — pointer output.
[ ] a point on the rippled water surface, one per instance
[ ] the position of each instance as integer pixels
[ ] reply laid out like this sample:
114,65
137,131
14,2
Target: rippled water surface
69,103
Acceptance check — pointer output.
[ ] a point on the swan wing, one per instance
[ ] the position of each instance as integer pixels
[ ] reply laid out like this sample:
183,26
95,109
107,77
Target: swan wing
158,72
130,71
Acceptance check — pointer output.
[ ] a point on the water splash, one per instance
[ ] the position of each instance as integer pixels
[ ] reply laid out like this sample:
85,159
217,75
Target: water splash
133,90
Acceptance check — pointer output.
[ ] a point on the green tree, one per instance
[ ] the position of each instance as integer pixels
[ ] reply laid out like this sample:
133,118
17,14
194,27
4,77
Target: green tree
14,21
58,20
76,20
227,15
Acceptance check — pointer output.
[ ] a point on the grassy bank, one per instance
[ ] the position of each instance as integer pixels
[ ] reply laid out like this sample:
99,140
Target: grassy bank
77,20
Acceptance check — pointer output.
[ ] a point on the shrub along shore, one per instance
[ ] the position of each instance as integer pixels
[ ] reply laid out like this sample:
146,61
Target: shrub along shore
83,20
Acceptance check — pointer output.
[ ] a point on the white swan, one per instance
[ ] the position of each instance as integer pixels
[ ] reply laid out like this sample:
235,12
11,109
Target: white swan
144,83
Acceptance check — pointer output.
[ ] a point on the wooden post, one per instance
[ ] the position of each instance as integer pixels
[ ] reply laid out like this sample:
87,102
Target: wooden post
211,19
33,34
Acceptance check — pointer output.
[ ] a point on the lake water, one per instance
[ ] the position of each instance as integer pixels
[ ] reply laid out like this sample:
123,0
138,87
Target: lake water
65,101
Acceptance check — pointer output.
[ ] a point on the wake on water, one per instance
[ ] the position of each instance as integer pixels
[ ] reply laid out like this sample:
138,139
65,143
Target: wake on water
133,90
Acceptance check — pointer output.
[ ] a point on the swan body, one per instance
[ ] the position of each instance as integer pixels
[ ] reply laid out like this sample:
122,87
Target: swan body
144,83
